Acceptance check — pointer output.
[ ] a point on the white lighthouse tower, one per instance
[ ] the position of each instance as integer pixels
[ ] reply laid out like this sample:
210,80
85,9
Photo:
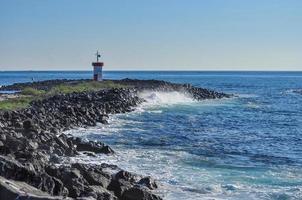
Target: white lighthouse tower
97,68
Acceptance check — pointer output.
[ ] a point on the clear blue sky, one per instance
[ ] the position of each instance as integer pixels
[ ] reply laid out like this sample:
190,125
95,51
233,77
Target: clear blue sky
151,34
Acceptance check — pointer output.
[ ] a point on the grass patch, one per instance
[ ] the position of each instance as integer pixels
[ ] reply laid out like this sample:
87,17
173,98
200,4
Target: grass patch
15,103
85,86
32,91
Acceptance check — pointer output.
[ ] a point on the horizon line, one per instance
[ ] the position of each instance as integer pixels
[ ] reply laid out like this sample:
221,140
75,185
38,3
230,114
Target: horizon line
146,70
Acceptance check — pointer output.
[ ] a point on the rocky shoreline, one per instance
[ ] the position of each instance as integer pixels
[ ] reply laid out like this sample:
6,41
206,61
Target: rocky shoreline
31,143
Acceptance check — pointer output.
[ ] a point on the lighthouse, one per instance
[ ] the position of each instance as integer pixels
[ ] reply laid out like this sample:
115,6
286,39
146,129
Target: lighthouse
97,68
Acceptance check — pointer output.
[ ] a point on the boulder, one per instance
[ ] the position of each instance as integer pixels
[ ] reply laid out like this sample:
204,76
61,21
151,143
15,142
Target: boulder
12,169
148,182
119,186
102,193
71,178
96,147
27,124
93,174
127,176
139,193
12,190
136,187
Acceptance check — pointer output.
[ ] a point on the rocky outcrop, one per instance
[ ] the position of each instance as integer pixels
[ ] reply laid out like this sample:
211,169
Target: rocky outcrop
77,181
32,143
12,190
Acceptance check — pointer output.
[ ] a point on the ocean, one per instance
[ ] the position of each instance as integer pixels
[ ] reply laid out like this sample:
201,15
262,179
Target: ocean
245,147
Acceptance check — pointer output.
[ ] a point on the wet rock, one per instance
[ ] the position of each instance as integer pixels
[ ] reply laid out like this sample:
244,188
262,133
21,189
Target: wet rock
88,153
96,147
148,182
54,158
86,198
135,185
139,193
125,175
104,119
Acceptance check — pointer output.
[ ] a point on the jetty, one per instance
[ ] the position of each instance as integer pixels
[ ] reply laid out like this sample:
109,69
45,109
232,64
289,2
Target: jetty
33,145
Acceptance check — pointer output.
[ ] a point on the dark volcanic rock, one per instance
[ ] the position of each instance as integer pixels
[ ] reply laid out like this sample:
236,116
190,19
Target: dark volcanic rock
130,186
94,175
12,169
119,186
12,190
83,180
102,193
27,124
96,147
148,182
139,193
127,176
122,181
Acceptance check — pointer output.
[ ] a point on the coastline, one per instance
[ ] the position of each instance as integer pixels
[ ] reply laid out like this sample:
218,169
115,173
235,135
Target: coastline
38,142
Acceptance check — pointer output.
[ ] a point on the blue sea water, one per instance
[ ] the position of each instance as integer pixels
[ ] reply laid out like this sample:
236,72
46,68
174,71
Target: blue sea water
246,147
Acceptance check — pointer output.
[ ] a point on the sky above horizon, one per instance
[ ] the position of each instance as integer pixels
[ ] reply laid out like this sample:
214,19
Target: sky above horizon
151,35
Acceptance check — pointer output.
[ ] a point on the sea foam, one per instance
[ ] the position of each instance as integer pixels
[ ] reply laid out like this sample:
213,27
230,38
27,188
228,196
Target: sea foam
165,98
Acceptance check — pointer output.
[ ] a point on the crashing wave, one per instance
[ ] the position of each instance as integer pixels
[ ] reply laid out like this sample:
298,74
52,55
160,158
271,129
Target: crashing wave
165,98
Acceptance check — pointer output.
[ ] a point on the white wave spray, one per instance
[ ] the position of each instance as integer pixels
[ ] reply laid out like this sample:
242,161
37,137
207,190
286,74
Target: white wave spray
165,98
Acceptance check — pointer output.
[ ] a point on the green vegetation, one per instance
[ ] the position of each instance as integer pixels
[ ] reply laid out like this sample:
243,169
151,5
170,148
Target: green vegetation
32,92
15,103
29,94
81,87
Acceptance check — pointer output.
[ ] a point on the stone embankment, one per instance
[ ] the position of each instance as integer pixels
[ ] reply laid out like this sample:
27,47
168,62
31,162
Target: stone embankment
32,143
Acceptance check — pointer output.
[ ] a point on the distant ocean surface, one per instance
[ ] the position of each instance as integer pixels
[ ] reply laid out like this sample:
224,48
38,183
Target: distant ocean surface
246,147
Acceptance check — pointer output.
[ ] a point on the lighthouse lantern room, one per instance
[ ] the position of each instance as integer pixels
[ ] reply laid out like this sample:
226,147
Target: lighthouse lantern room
97,68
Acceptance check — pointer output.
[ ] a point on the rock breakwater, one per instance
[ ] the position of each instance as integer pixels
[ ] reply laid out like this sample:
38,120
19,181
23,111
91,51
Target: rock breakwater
31,143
